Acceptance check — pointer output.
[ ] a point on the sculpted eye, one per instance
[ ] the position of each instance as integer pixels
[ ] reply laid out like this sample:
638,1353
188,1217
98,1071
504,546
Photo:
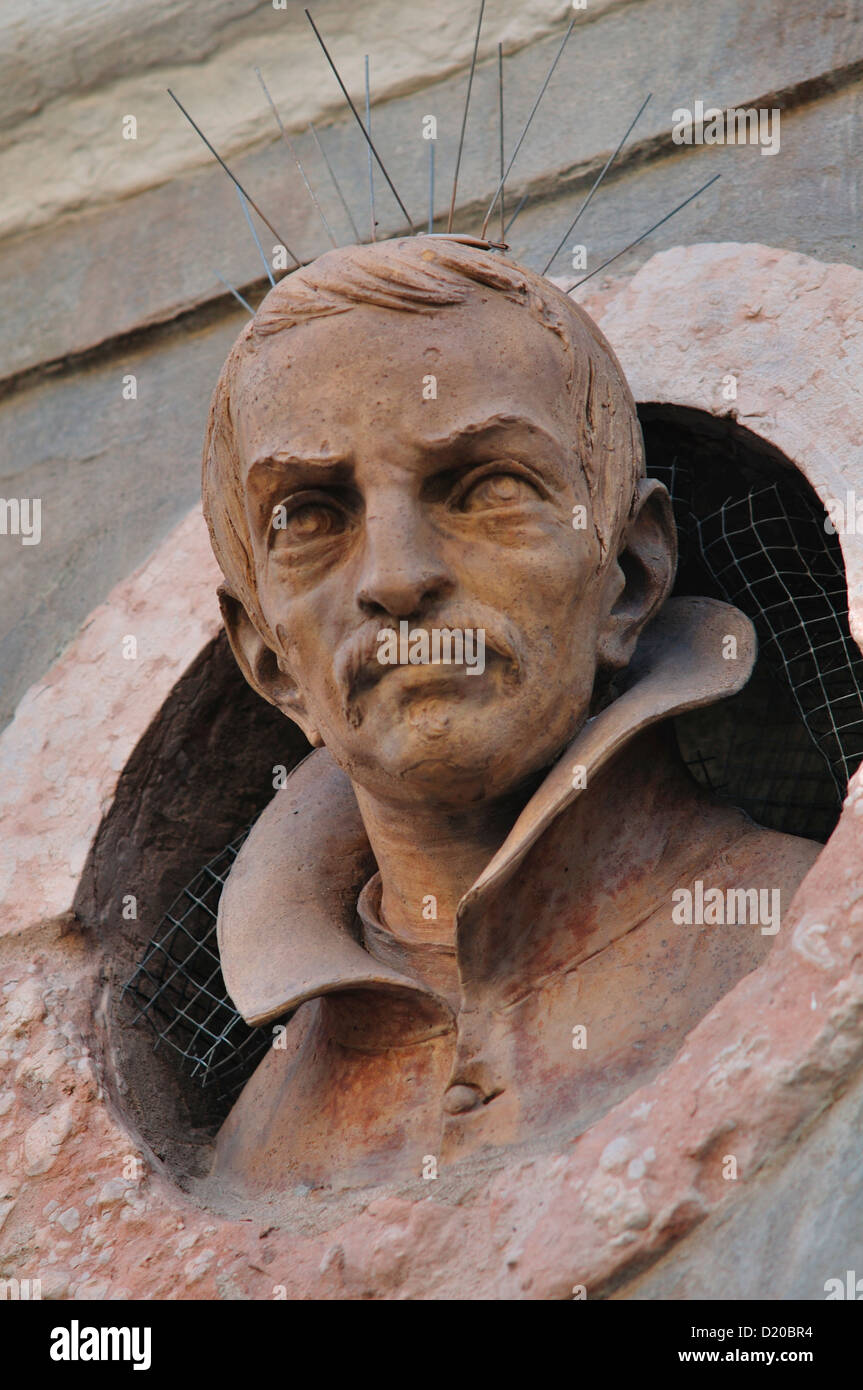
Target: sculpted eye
498,490
301,522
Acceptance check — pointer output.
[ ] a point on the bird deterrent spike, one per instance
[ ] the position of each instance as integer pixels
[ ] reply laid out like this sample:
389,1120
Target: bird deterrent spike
257,240
506,172
521,204
236,293
464,117
500,123
597,181
359,122
292,152
667,216
373,219
332,173
233,178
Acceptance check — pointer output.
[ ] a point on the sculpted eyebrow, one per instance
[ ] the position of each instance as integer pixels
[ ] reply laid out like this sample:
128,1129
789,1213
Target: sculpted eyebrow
508,433
478,432
262,469
509,430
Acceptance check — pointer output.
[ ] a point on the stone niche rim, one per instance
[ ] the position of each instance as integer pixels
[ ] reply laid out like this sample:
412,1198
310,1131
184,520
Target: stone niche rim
753,1073
799,311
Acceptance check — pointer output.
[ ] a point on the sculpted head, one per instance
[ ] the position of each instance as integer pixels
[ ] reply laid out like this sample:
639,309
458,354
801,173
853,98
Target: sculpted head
445,439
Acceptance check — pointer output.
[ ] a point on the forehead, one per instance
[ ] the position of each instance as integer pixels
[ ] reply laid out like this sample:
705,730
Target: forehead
349,382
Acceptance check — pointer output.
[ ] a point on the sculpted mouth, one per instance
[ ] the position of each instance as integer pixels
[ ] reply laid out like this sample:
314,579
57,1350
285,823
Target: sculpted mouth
372,674
432,677
494,665
437,675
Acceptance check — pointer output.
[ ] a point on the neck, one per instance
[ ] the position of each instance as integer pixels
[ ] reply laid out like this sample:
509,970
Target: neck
597,868
429,858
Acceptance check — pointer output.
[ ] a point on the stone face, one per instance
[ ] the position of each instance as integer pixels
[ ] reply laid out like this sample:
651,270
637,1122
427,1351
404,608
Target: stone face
114,475
764,1065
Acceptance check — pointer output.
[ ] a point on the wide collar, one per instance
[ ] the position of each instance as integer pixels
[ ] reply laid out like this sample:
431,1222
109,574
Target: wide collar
287,916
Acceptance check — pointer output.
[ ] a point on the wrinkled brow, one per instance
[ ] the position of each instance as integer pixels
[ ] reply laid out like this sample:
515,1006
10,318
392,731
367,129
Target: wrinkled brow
265,466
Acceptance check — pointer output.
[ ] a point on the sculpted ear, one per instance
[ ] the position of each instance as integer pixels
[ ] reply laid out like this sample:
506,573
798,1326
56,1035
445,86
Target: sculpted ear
261,667
642,578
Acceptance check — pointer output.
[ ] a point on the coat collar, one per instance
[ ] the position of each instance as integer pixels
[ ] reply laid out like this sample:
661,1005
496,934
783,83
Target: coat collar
287,916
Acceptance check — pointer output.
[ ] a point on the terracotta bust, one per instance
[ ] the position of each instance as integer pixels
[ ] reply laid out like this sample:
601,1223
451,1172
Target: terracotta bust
469,895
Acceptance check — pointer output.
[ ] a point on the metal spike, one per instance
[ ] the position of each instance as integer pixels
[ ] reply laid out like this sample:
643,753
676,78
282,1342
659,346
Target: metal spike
500,110
336,184
371,165
597,181
292,152
515,215
359,122
506,172
464,117
233,179
244,205
666,218
228,286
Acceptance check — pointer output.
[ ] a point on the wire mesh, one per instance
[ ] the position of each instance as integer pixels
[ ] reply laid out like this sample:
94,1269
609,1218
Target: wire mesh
179,991
770,555
785,748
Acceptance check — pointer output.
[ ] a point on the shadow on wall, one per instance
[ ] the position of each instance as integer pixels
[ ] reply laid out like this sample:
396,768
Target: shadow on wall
198,778
751,531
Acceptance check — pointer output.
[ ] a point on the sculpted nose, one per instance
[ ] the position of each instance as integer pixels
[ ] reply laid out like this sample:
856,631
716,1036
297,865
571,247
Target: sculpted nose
402,570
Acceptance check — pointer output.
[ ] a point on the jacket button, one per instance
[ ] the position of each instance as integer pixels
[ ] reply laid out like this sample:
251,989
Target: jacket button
459,1099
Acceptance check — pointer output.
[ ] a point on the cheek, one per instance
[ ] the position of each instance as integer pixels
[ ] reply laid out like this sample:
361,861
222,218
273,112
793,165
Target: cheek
553,583
543,550
297,636
309,656
565,627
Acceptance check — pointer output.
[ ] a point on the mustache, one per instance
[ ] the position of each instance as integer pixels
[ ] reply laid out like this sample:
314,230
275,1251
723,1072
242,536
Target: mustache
356,664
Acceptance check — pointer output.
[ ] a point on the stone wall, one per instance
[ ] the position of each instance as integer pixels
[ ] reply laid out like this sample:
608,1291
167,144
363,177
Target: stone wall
110,246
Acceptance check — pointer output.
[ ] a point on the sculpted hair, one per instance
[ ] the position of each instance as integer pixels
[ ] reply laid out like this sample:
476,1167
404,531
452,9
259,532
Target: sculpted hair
421,275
